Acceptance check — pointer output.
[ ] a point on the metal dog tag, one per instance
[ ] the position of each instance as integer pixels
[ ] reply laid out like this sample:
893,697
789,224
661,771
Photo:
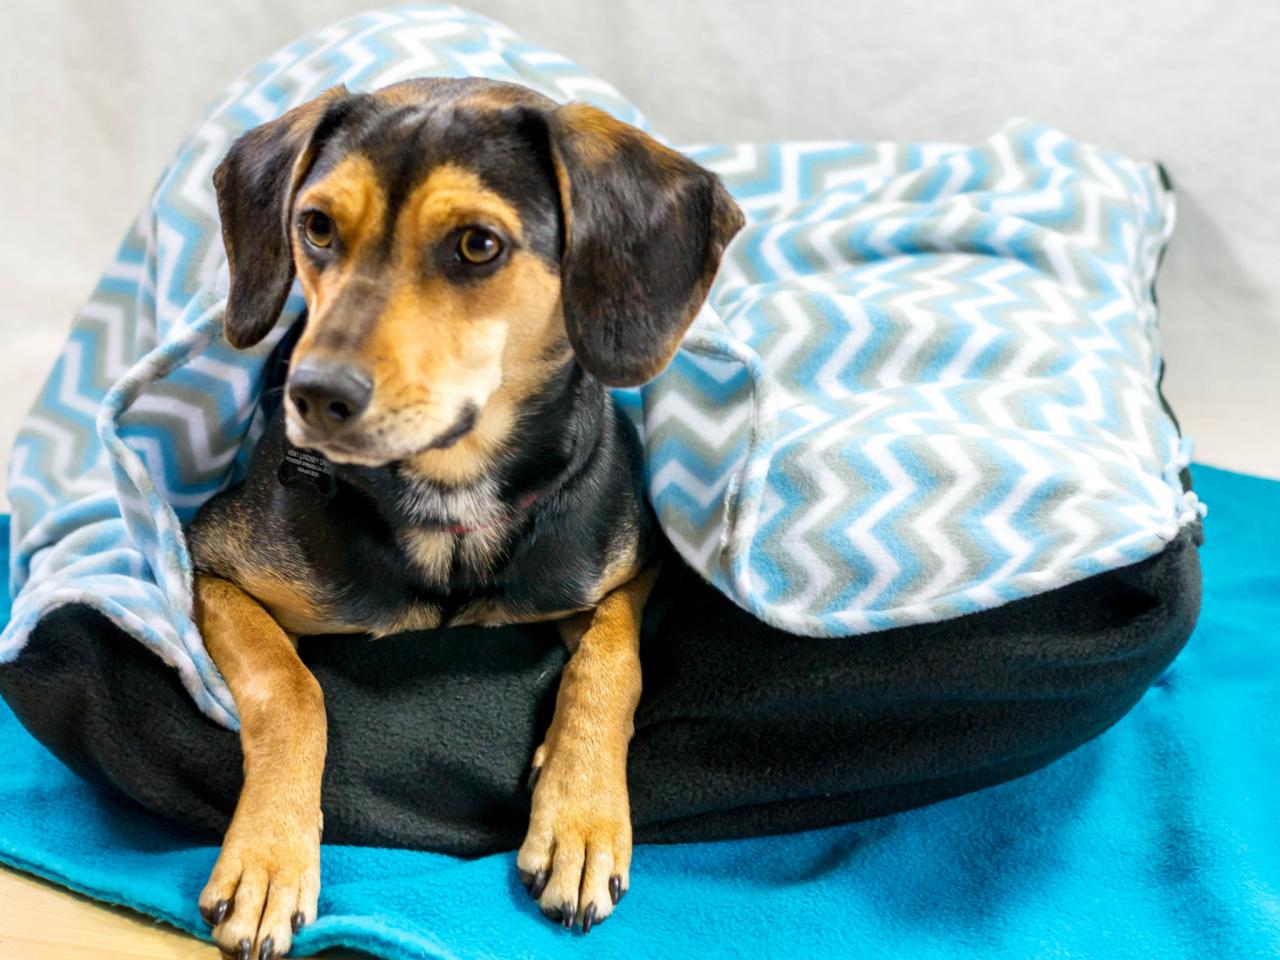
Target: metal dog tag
304,467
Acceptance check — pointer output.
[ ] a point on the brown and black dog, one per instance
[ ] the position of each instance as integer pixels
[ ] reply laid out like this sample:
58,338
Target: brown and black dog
478,263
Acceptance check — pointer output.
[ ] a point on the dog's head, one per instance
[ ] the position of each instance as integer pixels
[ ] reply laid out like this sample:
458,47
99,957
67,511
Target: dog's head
458,242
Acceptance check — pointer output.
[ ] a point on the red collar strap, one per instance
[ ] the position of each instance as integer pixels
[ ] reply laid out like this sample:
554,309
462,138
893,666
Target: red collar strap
527,501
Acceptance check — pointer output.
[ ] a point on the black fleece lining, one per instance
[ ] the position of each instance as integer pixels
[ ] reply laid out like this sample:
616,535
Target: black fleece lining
742,730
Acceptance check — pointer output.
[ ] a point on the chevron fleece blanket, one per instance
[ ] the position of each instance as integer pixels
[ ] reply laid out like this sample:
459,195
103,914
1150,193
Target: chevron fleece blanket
925,382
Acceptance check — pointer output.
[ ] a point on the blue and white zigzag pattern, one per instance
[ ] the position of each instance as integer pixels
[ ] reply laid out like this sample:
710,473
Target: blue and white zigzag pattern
924,383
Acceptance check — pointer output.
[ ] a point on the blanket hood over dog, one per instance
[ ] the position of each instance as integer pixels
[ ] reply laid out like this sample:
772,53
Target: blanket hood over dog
925,382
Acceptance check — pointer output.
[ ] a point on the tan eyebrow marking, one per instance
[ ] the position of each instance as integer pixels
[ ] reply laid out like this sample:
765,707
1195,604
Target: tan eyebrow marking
352,196
451,197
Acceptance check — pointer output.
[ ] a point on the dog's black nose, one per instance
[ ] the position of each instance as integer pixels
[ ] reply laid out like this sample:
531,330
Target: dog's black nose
328,395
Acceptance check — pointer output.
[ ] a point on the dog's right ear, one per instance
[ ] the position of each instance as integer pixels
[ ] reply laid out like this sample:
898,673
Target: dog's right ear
645,229
255,184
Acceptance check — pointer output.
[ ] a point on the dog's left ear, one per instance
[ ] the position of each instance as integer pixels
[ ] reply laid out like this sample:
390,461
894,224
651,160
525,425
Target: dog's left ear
255,184
644,230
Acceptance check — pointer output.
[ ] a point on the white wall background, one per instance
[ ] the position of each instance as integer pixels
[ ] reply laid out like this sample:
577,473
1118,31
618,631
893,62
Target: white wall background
96,96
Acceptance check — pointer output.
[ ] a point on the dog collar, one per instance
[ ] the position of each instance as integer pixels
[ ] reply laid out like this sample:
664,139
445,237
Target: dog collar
509,517
305,467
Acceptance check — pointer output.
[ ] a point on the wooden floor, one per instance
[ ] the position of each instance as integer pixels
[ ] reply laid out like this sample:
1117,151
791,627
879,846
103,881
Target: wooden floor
39,921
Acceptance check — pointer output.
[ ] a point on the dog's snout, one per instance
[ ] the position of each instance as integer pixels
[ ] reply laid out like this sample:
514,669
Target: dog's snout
328,396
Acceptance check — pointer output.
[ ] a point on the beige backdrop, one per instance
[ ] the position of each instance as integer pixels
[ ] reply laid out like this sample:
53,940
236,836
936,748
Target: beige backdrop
97,95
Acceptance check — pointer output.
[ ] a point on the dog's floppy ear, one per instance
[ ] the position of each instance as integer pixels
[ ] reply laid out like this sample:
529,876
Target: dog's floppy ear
255,184
644,230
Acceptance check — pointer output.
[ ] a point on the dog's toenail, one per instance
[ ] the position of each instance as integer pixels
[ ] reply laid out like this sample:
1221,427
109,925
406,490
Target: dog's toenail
297,921
268,949
539,883
534,774
216,914
589,917
245,949
566,915
615,889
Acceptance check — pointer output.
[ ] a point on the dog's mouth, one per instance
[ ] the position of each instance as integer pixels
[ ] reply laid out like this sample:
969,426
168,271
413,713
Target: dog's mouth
460,427
351,448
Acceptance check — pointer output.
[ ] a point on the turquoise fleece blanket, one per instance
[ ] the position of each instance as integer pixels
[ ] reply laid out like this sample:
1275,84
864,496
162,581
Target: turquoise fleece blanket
1156,840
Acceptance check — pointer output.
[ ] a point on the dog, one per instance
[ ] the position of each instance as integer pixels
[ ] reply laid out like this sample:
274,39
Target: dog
479,265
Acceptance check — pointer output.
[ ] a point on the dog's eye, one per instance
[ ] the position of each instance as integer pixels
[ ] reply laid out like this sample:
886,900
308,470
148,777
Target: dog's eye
318,228
478,246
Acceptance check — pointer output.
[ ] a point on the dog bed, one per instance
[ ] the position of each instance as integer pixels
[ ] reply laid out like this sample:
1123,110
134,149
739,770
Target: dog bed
1154,840
934,518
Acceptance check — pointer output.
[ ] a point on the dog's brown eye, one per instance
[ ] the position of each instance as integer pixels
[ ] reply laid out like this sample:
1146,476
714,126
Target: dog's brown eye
479,246
319,228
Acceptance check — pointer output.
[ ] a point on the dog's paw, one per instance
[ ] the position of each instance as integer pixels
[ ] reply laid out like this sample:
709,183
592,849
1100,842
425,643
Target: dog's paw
264,887
576,858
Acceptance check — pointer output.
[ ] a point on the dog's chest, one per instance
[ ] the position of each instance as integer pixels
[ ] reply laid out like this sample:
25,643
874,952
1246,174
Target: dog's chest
461,560
466,536
467,583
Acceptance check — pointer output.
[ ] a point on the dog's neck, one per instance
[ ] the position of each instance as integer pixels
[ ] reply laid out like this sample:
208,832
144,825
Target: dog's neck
546,444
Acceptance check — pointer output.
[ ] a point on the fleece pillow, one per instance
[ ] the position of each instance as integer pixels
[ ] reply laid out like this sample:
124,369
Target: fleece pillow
925,383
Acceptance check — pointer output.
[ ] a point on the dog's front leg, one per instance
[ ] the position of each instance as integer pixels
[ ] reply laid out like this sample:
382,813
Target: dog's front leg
576,858
266,881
